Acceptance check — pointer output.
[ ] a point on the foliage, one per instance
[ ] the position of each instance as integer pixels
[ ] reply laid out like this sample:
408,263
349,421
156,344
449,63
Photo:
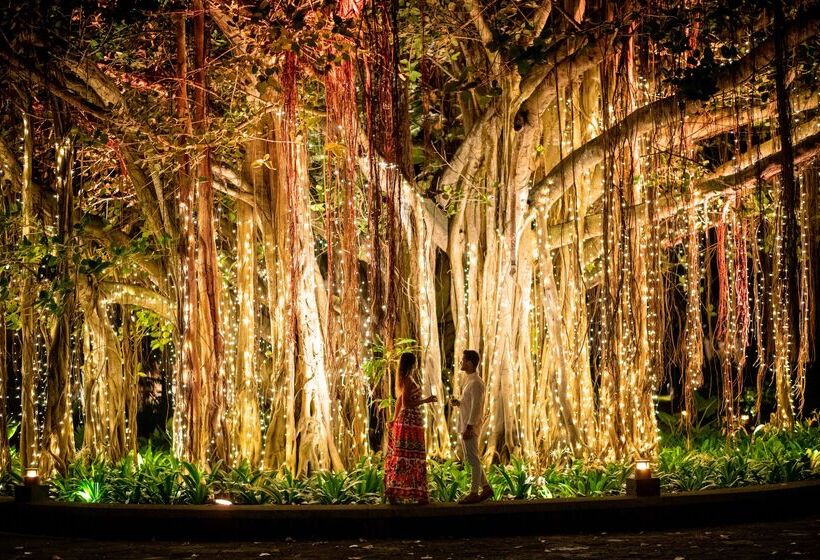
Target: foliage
581,481
513,480
384,359
765,456
368,480
447,481
11,475
151,325
704,420
331,488
195,487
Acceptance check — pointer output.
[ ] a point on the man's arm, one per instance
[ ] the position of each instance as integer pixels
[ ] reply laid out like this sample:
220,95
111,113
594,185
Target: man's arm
467,404
476,410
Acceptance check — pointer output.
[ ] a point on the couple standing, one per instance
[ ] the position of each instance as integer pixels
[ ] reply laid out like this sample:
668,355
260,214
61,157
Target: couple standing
405,467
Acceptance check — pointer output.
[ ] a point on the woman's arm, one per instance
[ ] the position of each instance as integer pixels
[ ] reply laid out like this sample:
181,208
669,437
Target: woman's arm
413,397
399,401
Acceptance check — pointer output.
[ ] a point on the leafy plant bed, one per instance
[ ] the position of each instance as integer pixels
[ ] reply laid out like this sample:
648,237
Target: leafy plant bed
707,461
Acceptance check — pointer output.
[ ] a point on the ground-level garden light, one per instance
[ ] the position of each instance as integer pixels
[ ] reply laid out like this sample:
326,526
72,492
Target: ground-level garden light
31,490
641,482
32,477
222,500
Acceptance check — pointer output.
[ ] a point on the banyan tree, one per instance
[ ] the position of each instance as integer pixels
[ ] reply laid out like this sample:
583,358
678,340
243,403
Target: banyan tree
257,206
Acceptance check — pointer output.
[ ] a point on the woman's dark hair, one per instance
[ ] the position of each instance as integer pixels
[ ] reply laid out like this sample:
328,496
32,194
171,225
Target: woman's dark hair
406,364
473,356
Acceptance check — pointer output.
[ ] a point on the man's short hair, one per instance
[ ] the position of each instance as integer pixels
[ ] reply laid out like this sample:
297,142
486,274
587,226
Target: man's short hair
473,356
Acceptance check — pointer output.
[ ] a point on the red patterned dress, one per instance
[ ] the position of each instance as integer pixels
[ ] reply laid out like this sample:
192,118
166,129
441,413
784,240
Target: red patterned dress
405,466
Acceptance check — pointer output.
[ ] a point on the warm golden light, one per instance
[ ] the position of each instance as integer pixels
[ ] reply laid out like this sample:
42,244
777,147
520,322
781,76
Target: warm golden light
642,469
31,477
305,258
223,502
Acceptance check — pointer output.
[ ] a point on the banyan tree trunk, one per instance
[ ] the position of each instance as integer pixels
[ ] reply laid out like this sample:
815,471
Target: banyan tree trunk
279,447
247,430
130,369
5,455
423,280
29,437
103,386
58,429
299,434
786,291
316,448
201,427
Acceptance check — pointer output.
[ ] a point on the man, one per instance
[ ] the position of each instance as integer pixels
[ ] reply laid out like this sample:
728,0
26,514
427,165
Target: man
472,412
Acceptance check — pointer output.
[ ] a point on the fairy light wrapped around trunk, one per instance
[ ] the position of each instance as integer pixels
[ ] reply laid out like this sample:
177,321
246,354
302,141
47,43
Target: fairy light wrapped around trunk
805,285
310,400
758,295
693,329
726,326
345,332
29,370
385,111
201,430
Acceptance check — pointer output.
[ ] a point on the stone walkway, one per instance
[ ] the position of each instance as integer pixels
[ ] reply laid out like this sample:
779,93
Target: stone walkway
797,538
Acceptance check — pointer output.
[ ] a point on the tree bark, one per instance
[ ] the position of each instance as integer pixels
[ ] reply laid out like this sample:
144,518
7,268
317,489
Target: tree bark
29,436
58,428
787,286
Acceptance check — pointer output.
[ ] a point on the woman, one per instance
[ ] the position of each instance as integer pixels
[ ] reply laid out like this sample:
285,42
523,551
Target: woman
405,467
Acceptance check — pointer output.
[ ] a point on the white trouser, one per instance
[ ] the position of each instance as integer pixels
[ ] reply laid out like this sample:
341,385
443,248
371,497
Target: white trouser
478,480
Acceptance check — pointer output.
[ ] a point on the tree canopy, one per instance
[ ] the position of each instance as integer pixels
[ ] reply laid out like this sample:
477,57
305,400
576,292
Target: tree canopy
261,204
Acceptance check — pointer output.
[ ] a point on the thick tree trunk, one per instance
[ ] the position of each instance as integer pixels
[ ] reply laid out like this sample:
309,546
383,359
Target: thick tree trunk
58,428
29,436
104,390
202,431
280,437
246,405
5,453
317,448
130,367
209,281
785,288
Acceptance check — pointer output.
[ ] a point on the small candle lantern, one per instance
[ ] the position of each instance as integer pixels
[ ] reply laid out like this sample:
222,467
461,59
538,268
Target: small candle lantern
643,470
31,477
31,490
641,482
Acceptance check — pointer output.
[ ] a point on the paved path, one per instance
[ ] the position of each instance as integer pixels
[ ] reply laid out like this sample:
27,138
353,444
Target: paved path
798,538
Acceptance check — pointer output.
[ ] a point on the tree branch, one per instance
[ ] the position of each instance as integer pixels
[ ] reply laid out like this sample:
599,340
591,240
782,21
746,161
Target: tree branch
660,113
138,296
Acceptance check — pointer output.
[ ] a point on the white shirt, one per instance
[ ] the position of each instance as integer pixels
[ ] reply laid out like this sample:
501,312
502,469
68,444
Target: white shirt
472,403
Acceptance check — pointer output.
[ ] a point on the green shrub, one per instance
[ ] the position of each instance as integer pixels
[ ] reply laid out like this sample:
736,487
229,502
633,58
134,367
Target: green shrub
710,460
195,487
513,481
287,489
243,484
447,481
368,481
331,487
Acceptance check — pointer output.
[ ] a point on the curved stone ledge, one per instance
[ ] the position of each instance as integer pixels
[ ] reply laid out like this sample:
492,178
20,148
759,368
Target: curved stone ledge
210,522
